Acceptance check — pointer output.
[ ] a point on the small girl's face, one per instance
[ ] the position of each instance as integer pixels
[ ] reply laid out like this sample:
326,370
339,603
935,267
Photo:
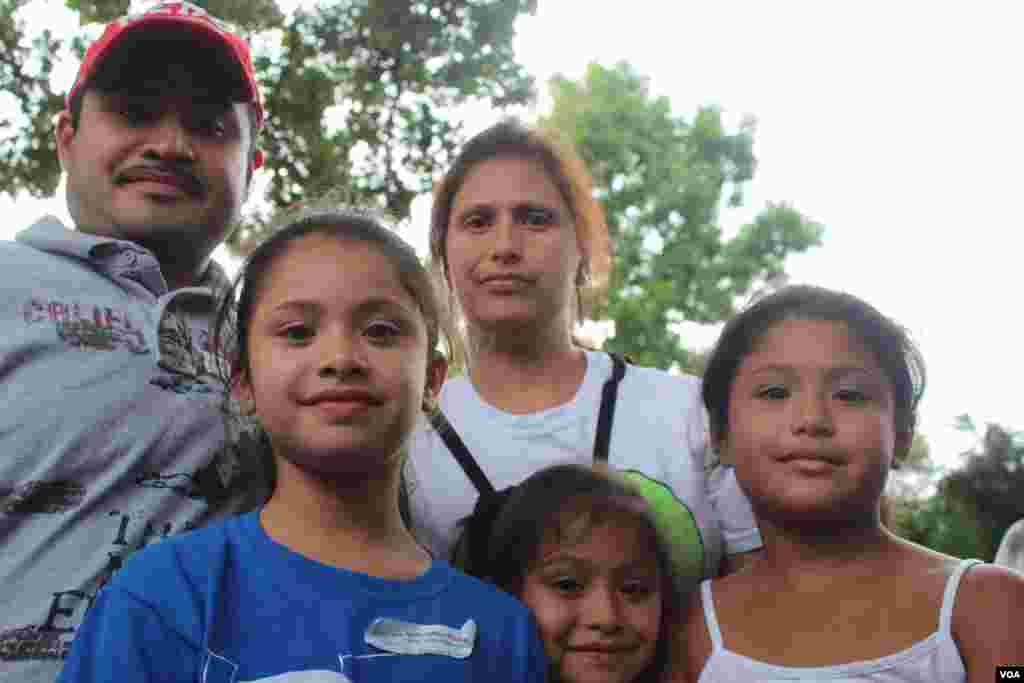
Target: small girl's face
338,356
597,599
811,427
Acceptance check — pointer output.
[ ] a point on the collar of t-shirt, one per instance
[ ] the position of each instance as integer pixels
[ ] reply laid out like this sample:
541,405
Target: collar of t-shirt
120,259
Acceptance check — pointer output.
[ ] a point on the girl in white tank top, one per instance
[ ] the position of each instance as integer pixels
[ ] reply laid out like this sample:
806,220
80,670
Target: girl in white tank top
812,396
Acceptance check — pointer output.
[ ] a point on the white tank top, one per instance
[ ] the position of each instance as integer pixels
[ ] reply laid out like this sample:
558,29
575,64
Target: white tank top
935,659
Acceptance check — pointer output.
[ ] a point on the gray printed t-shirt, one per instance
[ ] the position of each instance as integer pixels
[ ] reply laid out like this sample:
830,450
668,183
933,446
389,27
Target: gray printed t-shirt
111,436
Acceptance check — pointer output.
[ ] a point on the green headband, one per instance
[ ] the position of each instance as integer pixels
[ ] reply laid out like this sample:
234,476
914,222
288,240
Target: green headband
676,524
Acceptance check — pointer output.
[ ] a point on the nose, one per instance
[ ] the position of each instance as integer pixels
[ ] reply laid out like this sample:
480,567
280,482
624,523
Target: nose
812,415
170,139
600,608
342,356
508,246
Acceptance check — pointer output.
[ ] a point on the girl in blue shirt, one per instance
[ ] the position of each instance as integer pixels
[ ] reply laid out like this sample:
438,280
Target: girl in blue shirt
335,330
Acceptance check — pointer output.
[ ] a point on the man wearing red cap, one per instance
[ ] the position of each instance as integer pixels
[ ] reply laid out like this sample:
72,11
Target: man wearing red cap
111,435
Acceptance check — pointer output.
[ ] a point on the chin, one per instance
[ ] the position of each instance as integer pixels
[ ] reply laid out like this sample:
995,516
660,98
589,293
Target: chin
814,512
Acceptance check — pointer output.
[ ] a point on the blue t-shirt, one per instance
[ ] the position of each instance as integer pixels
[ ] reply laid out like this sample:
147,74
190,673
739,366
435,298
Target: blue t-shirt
227,603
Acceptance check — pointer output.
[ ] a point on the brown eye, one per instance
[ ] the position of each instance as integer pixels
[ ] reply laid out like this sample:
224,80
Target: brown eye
136,111
478,219
637,590
383,332
535,216
566,584
851,396
772,393
297,333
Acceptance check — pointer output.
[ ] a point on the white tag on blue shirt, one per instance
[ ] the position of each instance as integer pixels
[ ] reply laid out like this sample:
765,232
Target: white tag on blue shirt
406,638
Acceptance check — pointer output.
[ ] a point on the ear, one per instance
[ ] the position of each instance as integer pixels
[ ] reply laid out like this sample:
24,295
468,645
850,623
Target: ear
64,132
241,391
255,163
437,371
904,440
720,445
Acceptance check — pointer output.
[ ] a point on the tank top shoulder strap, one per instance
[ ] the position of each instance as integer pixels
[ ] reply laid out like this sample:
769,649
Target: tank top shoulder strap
710,618
949,596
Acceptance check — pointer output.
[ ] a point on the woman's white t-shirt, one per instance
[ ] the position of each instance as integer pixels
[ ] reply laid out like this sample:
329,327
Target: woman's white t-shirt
659,429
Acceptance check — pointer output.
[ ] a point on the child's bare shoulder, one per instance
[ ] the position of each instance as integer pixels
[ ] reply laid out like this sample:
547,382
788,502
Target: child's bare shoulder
992,587
987,616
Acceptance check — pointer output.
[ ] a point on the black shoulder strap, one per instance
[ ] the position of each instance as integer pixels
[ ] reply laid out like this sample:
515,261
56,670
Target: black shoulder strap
462,455
609,393
602,439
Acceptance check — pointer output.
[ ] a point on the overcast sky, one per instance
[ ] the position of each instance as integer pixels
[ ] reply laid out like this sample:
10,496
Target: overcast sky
897,125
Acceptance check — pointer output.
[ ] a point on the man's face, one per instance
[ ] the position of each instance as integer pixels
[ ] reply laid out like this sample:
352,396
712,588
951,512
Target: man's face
161,155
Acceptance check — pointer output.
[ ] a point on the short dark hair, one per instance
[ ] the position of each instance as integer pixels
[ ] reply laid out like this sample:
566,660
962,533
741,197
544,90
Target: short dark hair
894,350
502,538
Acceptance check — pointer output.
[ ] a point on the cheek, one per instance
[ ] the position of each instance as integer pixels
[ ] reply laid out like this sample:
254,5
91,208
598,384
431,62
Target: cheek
457,250
745,435
232,169
878,435
648,620
276,372
238,178
550,611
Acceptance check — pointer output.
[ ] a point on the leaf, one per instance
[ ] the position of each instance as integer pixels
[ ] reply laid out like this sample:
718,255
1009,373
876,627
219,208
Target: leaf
964,423
662,180
359,95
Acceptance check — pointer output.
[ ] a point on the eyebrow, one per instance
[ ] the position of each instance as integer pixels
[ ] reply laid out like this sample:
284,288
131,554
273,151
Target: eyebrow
525,205
371,305
562,559
833,372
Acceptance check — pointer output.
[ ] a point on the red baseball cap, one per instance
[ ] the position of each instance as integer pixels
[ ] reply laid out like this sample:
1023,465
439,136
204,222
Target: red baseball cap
171,14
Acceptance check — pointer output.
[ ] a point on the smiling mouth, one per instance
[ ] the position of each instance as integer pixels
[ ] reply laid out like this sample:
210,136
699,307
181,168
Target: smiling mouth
825,460
604,659
339,409
600,649
510,282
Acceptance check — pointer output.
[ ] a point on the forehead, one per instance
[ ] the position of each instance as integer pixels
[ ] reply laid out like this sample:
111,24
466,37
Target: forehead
157,61
607,536
798,343
508,179
333,271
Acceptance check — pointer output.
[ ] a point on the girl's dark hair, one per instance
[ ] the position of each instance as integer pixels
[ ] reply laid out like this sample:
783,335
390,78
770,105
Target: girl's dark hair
511,138
321,217
896,353
502,539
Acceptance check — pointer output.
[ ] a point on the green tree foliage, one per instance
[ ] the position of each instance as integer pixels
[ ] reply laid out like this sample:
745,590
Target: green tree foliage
361,94
972,505
28,154
663,180
914,475
991,480
946,525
